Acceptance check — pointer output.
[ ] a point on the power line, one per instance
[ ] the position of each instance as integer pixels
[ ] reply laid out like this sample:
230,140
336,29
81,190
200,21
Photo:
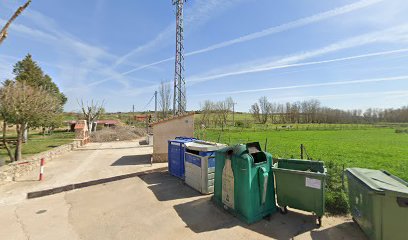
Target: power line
150,101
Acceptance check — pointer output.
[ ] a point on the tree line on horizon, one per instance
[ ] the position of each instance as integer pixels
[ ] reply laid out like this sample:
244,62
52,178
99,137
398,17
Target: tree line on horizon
263,111
312,111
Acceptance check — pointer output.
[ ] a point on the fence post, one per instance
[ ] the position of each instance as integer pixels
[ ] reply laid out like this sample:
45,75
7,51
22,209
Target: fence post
342,178
42,162
266,144
301,151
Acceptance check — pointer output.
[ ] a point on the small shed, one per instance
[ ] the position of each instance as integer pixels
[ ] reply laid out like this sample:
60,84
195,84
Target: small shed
166,129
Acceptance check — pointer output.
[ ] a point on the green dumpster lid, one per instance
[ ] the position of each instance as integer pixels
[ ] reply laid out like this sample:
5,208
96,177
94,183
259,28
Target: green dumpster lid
379,180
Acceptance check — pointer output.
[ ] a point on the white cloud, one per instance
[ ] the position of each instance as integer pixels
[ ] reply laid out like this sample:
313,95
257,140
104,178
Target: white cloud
388,94
312,85
290,25
196,15
249,37
394,34
77,59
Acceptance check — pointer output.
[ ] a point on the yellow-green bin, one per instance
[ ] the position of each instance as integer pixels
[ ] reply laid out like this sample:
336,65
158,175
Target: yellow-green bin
378,203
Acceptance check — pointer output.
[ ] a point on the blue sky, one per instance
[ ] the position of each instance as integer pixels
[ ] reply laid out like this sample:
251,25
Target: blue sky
348,54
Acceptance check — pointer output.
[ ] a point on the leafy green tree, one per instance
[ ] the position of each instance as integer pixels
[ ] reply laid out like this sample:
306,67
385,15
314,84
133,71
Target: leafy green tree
28,71
31,99
25,106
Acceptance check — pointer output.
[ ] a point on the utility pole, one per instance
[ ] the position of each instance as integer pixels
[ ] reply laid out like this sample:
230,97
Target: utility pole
133,113
155,106
179,97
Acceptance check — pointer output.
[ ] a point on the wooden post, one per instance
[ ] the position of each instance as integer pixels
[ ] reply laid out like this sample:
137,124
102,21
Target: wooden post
266,144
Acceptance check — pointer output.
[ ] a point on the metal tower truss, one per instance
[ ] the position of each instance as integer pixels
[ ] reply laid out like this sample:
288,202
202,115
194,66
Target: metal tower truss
179,97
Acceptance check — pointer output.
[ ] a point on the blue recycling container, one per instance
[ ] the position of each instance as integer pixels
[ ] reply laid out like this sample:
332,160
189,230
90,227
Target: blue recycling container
176,150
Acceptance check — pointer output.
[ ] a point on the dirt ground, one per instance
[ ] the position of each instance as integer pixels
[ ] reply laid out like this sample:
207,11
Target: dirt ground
150,206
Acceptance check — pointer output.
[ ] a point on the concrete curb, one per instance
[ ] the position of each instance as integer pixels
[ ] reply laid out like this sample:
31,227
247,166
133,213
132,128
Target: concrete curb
71,187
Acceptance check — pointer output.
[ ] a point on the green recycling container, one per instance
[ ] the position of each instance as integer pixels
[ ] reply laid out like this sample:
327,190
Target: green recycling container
378,203
300,184
243,183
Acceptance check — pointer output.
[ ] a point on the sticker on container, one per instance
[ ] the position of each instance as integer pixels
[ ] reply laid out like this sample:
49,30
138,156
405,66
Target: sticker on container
228,185
313,183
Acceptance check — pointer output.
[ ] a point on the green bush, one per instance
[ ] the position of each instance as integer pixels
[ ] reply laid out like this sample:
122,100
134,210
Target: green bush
401,130
243,124
336,197
337,202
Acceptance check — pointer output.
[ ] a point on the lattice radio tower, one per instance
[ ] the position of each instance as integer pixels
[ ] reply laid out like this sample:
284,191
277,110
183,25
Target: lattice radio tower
179,97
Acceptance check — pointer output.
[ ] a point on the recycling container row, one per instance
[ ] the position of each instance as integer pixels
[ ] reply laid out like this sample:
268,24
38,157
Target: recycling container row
193,160
245,182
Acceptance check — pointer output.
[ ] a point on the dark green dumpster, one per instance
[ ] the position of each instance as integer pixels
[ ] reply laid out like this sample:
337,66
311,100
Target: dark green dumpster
378,203
243,183
300,184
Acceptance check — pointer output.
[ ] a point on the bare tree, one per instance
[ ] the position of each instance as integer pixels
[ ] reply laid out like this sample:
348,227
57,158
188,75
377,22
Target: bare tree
255,112
217,112
265,108
3,32
206,111
25,106
223,110
91,112
164,98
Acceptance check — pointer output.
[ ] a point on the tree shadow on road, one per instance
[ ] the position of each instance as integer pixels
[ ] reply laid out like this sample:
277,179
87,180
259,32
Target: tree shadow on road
133,160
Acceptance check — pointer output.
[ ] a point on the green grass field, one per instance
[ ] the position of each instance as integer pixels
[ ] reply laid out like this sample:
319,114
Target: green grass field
352,146
38,143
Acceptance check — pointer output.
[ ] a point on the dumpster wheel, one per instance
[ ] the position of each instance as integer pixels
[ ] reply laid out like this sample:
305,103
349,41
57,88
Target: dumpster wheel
319,221
283,210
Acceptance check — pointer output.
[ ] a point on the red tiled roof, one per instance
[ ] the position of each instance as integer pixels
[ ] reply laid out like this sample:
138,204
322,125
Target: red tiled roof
110,122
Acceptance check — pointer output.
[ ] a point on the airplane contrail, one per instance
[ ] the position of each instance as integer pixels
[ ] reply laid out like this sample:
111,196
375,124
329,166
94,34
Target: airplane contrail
266,32
274,67
396,94
360,81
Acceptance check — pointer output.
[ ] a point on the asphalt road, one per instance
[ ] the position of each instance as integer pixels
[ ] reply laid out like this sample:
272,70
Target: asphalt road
155,205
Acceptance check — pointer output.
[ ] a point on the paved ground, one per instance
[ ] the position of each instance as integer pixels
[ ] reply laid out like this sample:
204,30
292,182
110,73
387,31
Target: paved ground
95,161
152,206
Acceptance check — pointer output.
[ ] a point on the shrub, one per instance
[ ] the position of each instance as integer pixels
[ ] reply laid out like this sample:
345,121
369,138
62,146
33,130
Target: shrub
337,202
336,197
243,124
239,124
401,130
